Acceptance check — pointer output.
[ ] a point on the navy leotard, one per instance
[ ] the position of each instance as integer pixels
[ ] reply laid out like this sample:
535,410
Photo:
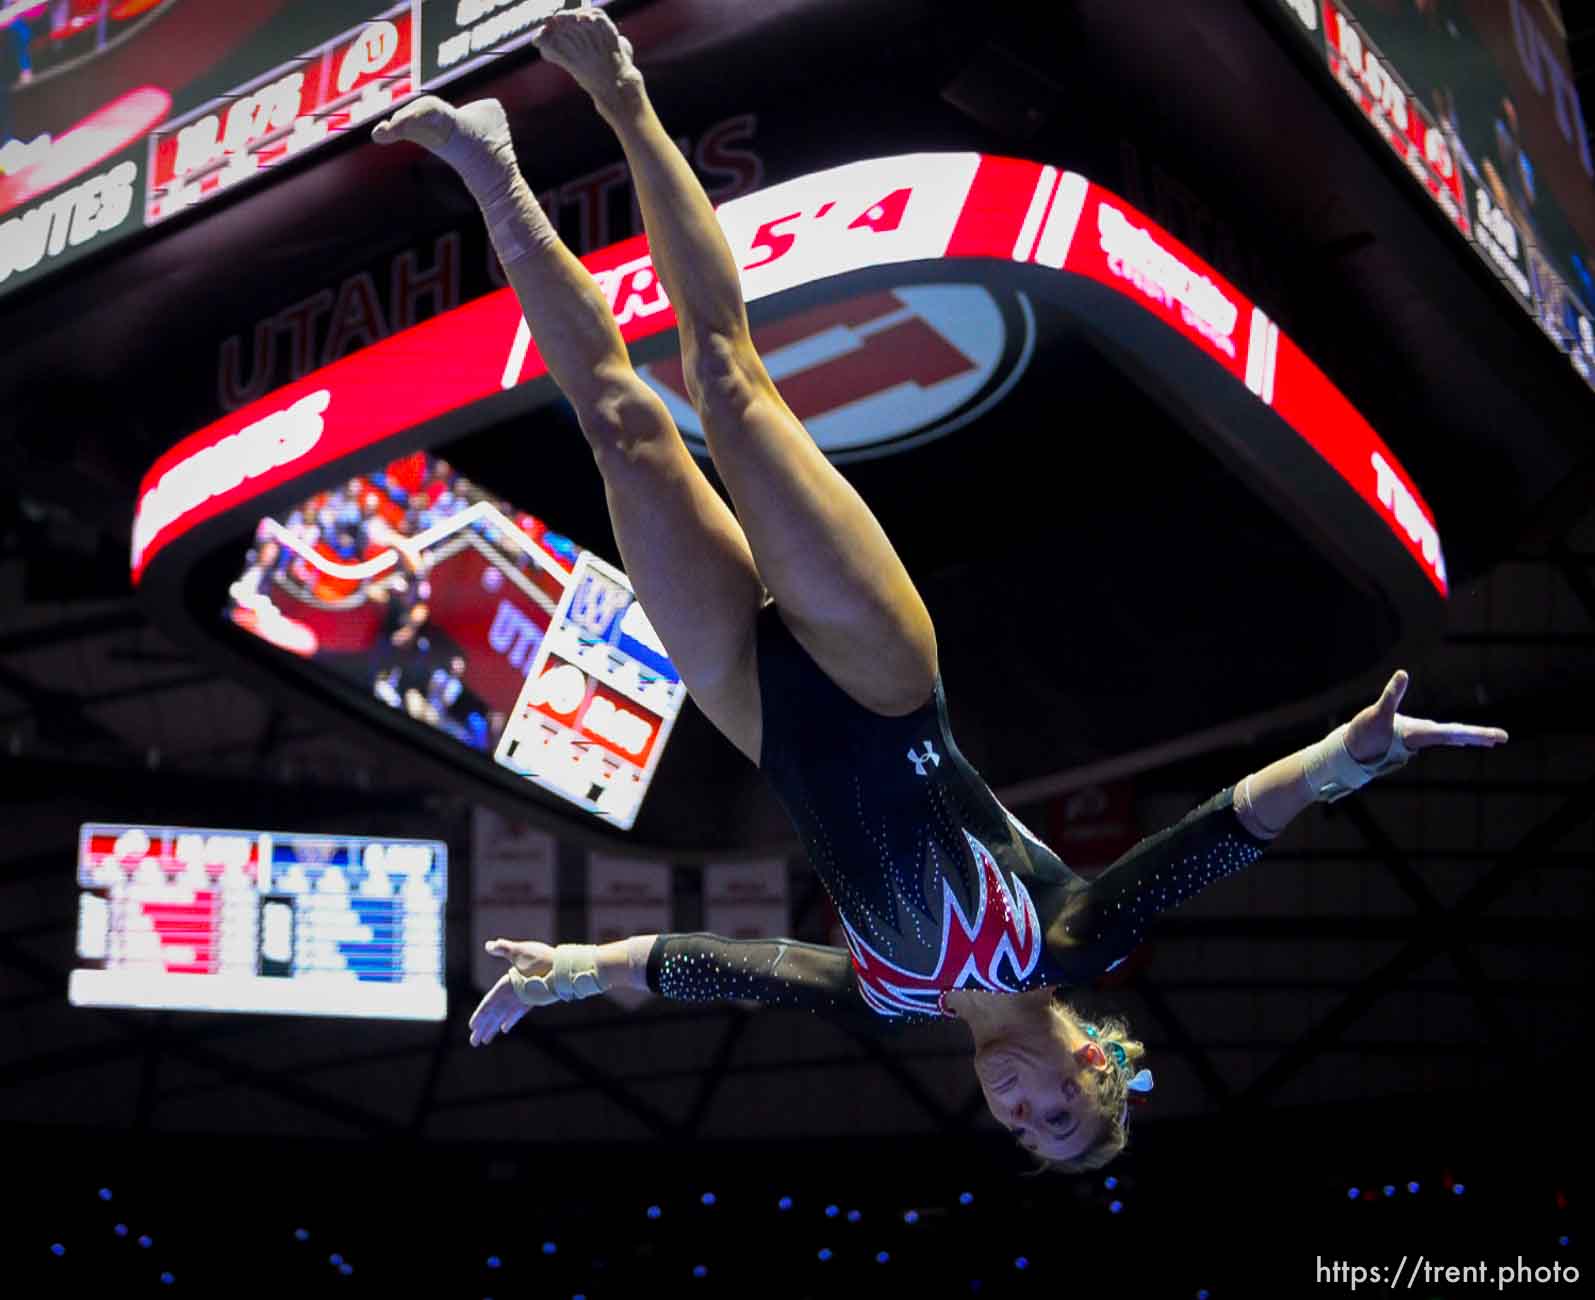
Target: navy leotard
938,886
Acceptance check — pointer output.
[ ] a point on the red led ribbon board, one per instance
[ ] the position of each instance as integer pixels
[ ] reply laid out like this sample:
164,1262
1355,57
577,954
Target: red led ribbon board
1055,228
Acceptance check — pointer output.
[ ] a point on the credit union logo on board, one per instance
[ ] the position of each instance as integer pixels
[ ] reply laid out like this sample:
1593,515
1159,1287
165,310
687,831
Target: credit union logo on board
1134,255
877,373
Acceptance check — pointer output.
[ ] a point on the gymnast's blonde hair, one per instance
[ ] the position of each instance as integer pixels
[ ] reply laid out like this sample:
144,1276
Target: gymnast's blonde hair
1112,1089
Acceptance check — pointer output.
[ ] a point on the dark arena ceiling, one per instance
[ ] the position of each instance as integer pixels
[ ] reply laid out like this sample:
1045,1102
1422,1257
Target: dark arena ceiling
1145,584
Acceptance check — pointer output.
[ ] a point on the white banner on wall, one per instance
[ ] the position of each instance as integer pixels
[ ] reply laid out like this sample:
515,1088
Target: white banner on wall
513,892
746,900
626,896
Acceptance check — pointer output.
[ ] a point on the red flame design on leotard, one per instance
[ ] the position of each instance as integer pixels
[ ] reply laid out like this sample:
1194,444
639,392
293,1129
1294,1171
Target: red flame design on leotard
1005,928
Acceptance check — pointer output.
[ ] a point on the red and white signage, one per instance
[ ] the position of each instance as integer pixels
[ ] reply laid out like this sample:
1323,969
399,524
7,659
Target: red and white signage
1393,111
352,79
1437,153
70,219
914,208
880,372
592,717
562,692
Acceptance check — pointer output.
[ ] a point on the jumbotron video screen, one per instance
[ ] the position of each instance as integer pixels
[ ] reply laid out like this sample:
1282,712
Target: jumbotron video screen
118,115
1477,101
413,586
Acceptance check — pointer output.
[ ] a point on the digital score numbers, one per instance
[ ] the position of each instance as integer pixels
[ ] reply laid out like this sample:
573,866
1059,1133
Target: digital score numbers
599,701
1441,162
352,79
174,918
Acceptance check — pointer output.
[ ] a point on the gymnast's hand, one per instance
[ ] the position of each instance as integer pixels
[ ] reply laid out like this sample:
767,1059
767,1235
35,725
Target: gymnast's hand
1371,735
502,1008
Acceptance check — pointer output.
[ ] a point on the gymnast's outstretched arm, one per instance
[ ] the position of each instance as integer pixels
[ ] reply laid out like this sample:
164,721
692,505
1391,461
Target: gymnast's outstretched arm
1231,830
1376,740
682,967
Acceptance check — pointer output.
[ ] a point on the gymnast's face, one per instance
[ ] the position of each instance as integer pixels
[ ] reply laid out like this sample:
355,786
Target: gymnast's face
1043,1093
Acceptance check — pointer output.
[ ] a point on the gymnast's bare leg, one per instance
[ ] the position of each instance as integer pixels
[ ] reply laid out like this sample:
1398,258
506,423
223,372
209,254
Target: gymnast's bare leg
840,586
681,546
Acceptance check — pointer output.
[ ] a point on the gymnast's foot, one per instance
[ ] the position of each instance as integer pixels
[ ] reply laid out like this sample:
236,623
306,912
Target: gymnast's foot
473,139
585,43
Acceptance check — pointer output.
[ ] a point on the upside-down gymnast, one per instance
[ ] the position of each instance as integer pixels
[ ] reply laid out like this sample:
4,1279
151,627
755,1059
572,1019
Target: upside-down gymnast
800,635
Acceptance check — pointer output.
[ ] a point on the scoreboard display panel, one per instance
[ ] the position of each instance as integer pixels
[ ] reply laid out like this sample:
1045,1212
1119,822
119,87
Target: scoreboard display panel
118,115
597,706
1476,100
415,587
187,919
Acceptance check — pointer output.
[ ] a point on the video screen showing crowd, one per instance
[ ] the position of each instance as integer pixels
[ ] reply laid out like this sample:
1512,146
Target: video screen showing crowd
414,585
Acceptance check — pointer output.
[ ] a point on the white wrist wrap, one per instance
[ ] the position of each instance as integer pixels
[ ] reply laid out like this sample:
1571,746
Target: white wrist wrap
533,990
575,973
1332,773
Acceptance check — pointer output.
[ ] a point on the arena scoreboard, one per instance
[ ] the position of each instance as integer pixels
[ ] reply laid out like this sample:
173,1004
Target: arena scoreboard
117,117
1476,100
187,919
598,703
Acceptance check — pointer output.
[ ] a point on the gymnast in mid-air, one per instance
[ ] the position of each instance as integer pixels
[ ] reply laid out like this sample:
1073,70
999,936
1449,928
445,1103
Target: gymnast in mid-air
798,632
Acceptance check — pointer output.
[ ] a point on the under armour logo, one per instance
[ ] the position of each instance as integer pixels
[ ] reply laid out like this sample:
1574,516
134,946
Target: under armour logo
919,760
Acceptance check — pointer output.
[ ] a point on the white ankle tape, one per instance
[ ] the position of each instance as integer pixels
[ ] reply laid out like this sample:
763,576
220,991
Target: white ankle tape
485,171
1332,773
515,223
505,231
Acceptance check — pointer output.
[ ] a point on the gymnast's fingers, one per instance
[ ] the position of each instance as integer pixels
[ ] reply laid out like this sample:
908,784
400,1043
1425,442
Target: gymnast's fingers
490,1010
1420,733
481,1010
480,1019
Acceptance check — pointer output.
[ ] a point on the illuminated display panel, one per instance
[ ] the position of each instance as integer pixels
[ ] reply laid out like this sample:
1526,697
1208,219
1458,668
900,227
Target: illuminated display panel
1476,99
964,209
355,77
412,586
135,111
186,919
